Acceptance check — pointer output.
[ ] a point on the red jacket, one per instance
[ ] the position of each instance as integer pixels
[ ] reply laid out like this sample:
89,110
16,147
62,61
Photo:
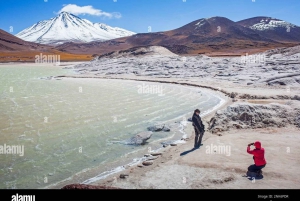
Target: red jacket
259,154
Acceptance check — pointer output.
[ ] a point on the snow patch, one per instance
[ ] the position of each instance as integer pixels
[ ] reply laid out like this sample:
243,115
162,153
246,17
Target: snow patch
270,24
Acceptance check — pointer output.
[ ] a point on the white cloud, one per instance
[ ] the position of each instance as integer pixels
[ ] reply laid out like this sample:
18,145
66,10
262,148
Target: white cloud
89,10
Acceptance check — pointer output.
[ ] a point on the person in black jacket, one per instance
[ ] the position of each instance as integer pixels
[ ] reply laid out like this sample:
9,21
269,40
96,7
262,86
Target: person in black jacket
199,128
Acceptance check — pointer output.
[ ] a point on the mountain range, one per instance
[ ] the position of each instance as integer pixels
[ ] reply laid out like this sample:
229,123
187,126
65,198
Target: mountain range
211,36
67,27
203,36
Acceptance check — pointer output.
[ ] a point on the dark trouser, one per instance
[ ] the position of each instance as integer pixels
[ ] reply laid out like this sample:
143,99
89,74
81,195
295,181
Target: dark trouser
198,138
254,168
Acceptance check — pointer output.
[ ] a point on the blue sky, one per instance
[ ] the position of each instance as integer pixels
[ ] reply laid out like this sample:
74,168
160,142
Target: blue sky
137,15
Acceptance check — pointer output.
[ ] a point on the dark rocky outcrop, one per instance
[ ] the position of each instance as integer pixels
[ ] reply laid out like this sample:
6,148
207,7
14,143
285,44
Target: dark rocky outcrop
245,116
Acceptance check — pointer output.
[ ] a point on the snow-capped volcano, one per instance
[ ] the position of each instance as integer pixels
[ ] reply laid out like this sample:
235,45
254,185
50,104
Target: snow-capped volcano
270,23
273,28
67,27
265,23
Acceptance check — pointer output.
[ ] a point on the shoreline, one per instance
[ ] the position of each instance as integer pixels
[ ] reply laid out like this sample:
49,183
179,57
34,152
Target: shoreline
224,101
114,175
169,155
231,94
117,170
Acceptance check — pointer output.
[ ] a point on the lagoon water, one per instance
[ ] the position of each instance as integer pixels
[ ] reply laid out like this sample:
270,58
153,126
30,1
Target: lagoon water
71,129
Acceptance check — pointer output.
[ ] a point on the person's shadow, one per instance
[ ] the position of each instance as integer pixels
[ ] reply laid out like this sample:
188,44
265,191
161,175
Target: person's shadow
189,151
253,178
253,175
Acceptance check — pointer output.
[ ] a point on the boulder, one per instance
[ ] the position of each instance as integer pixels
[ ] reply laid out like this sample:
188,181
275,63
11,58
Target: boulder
158,128
147,163
166,129
233,95
156,154
123,176
296,97
139,139
151,158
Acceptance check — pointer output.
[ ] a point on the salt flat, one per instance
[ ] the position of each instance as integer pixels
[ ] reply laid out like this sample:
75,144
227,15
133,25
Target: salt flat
273,77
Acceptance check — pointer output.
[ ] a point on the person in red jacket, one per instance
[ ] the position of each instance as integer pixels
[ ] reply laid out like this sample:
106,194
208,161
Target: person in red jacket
258,156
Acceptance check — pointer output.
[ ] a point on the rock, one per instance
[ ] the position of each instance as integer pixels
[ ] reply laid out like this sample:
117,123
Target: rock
158,128
173,145
111,180
212,122
233,95
267,121
140,165
139,139
165,145
237,126
123,176
155,128
283,82
297,121
217,130
166,129
152,158
147,163
248,115
296,97
156,154
147,155
245,117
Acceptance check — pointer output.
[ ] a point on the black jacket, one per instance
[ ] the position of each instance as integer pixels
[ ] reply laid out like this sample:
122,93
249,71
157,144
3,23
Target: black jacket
197,123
